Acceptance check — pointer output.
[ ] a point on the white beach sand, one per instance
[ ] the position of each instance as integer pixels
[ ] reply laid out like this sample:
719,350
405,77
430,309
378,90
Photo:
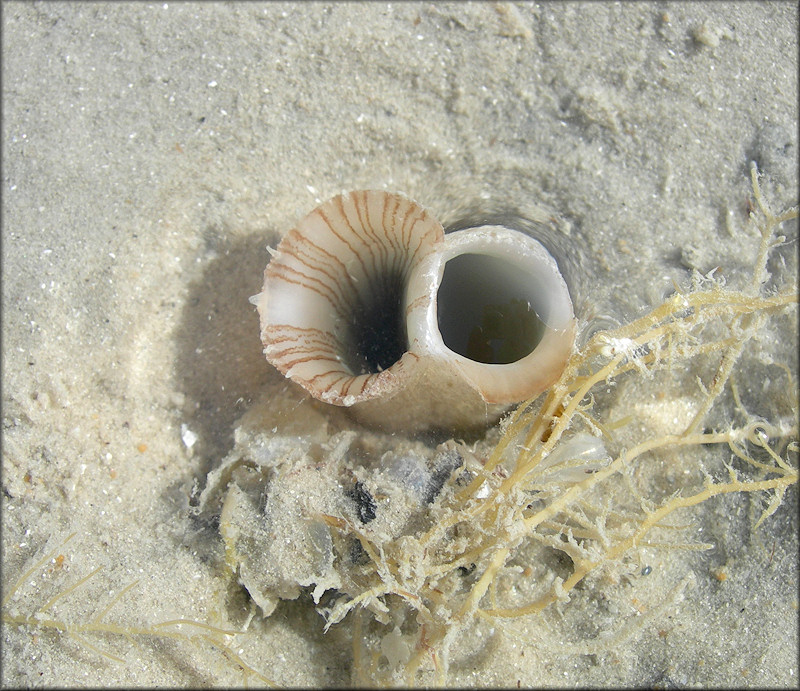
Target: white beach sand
151,152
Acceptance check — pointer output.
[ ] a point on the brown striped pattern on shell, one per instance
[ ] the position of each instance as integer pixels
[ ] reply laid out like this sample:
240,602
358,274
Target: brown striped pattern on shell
335,286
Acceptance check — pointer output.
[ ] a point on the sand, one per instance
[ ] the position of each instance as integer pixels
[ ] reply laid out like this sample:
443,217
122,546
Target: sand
151,152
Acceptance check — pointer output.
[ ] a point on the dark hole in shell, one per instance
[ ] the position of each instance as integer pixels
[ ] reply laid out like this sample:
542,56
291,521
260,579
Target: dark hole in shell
484,312
377,331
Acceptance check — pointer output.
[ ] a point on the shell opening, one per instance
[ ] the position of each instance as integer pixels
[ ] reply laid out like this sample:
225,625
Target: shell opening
485,309
333,303
376,334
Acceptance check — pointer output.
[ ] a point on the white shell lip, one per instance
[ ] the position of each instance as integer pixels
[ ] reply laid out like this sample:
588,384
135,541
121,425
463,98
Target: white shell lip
549,297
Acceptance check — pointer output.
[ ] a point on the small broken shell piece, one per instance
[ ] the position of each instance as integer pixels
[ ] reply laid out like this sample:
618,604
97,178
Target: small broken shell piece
572,460
368,304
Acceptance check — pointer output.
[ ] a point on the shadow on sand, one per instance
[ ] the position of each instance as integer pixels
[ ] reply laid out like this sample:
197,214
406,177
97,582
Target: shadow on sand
220,366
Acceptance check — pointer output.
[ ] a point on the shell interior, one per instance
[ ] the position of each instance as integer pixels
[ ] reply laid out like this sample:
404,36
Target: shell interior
485,309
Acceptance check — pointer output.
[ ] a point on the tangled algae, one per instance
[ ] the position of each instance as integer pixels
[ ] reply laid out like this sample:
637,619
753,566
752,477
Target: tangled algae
420,546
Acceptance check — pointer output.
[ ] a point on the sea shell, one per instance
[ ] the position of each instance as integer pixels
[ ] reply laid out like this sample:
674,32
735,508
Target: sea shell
368,304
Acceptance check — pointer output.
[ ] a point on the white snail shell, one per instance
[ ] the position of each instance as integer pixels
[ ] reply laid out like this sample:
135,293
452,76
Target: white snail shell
368,304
